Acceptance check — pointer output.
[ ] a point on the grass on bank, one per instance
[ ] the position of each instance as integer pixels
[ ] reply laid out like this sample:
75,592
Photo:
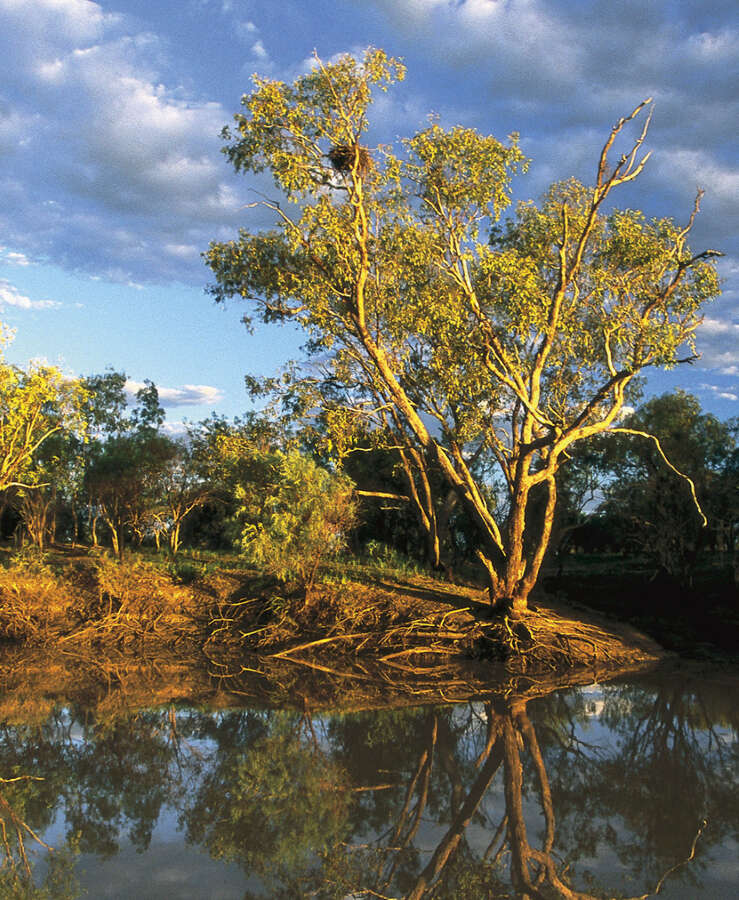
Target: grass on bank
379,609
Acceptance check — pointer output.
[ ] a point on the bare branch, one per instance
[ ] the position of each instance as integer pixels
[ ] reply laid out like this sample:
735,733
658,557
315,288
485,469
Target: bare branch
687,478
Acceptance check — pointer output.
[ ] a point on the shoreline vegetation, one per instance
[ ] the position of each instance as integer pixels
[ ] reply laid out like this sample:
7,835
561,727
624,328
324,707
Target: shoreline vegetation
466,399
361,622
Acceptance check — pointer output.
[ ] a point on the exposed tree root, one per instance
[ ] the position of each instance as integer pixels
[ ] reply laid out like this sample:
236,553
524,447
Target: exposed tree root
420,627
425,637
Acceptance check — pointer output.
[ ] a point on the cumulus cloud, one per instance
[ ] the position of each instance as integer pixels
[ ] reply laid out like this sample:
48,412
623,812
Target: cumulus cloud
11,296
118,165
187,395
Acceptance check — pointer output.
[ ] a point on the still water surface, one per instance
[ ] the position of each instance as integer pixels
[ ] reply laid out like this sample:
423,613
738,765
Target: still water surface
614,790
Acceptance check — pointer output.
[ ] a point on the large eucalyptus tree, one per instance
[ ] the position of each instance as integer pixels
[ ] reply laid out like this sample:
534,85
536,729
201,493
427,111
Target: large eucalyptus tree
511,347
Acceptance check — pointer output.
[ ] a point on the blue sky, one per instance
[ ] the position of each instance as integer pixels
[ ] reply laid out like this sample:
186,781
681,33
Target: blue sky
112,183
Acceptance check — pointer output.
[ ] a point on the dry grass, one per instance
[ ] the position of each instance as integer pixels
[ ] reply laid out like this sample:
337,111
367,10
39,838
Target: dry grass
97,601
410,626
33,604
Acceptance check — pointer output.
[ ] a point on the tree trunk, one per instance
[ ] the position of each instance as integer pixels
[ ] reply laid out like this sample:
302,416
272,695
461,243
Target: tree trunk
117,537
174,538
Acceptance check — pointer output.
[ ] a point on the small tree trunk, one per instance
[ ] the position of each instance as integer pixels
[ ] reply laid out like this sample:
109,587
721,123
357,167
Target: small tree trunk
174,538
433,549
494,583
116,537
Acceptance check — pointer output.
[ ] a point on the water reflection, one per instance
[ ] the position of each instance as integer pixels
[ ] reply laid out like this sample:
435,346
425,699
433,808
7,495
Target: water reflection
621,790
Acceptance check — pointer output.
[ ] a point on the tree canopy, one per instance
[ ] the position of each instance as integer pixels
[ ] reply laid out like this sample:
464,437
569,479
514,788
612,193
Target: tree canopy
36,403
464,335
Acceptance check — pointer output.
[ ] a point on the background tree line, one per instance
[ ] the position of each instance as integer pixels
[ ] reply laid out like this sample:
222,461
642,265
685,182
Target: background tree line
83,463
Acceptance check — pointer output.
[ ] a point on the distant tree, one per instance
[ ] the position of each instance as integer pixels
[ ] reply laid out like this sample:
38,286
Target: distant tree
662,514
179,489
105,408
512,348
54,476
123,470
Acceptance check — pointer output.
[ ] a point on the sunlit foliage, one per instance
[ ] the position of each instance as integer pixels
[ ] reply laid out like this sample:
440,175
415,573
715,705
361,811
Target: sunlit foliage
466,336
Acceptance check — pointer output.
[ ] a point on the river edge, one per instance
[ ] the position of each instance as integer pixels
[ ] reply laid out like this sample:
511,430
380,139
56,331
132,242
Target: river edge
399,626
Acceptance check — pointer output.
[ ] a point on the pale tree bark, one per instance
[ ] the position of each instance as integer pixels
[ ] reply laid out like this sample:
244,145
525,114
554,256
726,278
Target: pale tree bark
550,384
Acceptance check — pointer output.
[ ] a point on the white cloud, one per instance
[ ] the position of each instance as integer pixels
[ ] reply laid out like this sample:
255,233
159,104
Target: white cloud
718,343
13,257
175,429
516,41
114,145
698,168
258,50
712,326
182,251
722,393
715,46
59,21
11,296
187,395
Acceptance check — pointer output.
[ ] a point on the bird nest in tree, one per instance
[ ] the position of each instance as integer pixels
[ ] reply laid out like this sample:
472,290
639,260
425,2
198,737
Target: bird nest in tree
344,156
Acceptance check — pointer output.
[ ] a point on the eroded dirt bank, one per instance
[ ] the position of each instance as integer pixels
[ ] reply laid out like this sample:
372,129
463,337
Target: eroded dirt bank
410,627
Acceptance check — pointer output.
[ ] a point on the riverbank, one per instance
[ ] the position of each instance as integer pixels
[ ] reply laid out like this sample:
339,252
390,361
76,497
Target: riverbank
410,625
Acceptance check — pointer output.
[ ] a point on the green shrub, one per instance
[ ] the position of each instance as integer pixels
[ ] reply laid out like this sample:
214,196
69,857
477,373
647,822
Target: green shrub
293,515
185,571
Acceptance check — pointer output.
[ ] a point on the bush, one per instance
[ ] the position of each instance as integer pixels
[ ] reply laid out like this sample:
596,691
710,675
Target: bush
185,571
294,515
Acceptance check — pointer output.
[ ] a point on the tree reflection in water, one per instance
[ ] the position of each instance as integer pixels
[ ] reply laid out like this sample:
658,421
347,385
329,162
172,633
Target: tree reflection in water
547,798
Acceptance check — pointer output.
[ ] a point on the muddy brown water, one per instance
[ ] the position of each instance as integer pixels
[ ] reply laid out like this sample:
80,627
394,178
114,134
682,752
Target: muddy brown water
175,784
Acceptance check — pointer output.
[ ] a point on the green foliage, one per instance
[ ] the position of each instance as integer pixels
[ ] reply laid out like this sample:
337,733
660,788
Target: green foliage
104,408
515,346
60,881
651,504
185,571
294,824
387,557
36,403
28,559
292,514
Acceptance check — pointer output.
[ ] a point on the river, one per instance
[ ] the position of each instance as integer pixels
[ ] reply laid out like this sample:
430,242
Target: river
616,789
